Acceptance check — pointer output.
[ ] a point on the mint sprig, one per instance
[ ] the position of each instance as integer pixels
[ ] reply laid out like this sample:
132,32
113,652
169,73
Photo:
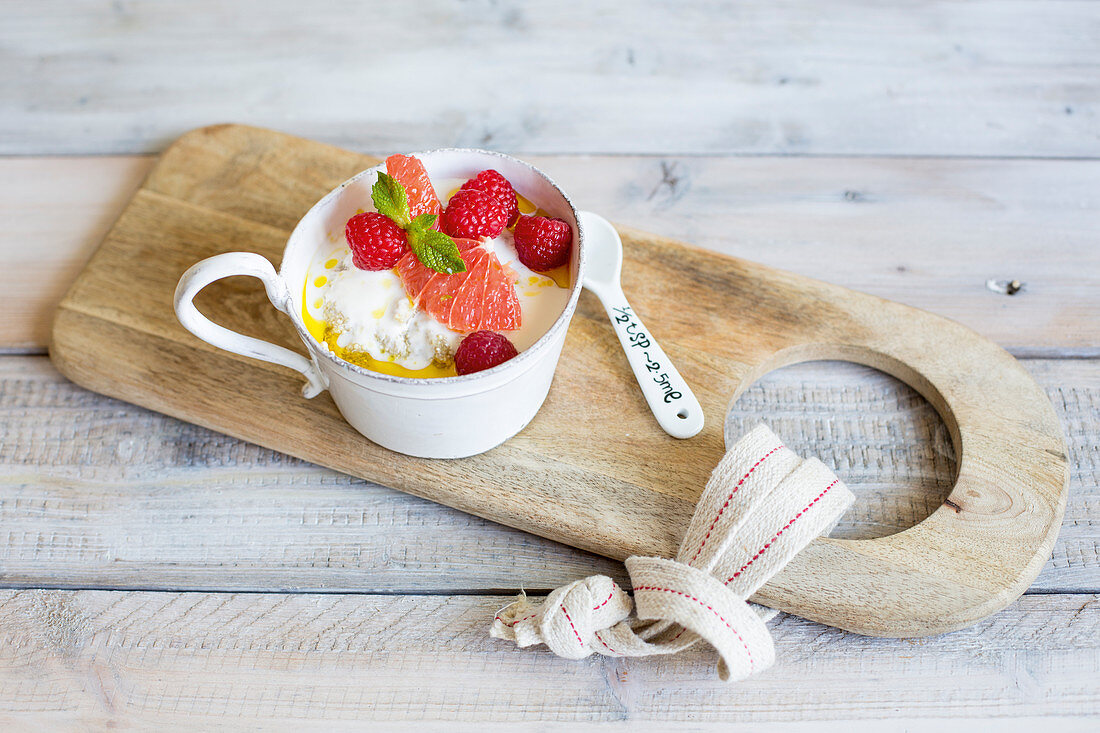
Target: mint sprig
434,249
390,199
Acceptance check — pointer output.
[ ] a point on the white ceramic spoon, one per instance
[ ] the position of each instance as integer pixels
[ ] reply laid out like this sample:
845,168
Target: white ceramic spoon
668,395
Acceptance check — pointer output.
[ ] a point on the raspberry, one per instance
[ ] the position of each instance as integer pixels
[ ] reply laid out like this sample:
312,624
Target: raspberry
483,350
543,243
376,242
473,214
497,186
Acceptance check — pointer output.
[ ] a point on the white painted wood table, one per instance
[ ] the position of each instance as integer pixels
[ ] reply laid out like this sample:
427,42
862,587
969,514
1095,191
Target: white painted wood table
157,575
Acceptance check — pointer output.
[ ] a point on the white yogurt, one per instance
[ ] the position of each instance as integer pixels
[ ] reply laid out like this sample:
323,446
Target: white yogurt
372,313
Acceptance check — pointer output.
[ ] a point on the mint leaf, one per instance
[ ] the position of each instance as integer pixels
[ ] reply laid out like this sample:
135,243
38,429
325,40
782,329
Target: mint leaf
390,199
435,250
423,222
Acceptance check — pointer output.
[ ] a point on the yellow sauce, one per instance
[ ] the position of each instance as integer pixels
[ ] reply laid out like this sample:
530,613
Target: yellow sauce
561,276
525,206
321,331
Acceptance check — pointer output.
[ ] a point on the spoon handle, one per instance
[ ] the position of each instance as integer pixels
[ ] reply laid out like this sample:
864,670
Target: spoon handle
669,397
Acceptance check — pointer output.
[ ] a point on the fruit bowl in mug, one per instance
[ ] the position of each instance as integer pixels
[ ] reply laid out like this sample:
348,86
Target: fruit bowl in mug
441,417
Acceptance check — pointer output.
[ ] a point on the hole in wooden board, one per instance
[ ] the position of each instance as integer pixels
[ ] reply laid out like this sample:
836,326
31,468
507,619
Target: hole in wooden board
885,441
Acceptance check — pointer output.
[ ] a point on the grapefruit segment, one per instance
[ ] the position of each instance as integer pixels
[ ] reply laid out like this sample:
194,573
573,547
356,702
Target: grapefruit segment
500,301
410,173
481,298
439,296
466,314
414,275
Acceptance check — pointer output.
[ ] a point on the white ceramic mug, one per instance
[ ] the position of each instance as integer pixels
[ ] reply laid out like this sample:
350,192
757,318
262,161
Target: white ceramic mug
449,417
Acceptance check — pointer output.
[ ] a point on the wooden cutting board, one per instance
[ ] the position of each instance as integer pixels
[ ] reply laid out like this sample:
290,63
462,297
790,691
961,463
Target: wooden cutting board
593,469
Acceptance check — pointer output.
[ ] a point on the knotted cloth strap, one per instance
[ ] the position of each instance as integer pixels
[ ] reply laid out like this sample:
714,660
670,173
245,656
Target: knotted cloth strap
762,505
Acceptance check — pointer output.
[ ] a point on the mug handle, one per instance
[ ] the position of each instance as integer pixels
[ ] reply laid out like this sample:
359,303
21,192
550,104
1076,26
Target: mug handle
202,273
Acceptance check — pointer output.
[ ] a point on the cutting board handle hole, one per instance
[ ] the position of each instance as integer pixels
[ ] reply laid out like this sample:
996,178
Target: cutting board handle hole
901,463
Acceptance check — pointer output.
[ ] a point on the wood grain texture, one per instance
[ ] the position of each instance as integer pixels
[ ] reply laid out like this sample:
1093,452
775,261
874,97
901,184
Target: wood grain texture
53,214
232,187
927,233
997,77
99,493
161,660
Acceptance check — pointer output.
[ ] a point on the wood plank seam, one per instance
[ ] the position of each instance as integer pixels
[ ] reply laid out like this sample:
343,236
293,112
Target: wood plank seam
852,423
